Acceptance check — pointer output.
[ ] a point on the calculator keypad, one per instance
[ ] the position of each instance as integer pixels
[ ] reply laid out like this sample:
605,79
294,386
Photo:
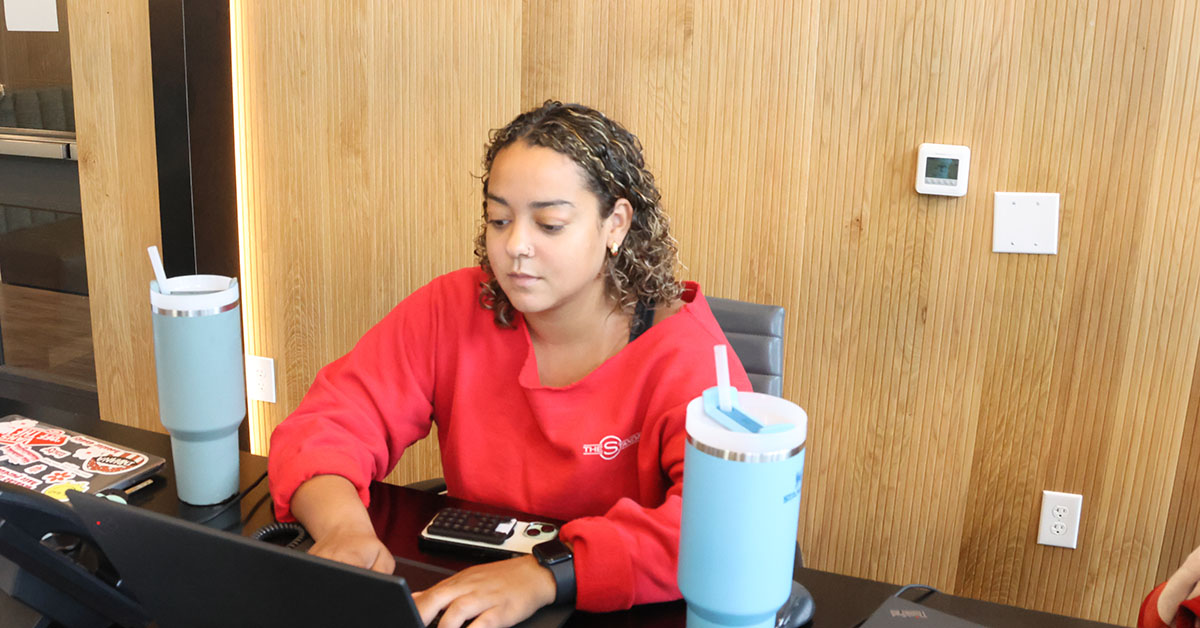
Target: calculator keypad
472,526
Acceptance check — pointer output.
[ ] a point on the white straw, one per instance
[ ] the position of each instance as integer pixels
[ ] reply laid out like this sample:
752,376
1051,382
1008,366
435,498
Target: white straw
724,397
159,273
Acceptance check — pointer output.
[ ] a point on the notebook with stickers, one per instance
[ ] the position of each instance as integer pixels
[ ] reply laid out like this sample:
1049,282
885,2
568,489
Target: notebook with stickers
52,460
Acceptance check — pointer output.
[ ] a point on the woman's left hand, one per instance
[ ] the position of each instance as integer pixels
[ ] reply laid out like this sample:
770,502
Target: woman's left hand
497,594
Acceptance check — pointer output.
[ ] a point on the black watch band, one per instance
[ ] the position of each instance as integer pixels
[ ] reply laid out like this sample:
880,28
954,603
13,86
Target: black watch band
557,557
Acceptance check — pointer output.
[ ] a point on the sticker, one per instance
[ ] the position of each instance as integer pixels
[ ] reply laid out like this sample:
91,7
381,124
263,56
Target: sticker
58,476
55,452
69,467
35,437
20,479
35,469
83,453
95,446
111,464
20,454
59,491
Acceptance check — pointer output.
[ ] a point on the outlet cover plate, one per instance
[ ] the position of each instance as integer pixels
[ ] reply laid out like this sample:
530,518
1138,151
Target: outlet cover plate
1059,523
1025,222
260,379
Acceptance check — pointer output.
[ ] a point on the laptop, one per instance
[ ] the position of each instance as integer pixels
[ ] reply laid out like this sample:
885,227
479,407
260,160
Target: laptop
186,574
53,460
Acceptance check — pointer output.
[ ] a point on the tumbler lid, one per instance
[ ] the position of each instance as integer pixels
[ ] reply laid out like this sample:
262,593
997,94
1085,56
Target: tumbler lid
714,439
195,295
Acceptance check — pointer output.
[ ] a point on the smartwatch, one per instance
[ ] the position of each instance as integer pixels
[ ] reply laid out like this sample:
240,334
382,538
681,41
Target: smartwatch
557,557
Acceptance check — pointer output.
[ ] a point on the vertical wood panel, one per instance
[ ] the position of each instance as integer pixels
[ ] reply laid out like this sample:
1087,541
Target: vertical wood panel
1156,383
118,183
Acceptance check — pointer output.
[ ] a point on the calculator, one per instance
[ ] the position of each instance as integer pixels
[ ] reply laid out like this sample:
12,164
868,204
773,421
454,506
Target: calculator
484,534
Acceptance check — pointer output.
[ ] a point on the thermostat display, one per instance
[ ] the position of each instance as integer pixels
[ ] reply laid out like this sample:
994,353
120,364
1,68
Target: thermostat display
942,169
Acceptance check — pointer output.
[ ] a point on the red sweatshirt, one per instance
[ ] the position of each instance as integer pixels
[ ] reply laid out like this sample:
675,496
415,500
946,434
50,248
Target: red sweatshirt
605,453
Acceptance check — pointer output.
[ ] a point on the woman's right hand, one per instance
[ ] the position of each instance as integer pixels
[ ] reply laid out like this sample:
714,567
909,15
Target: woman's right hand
355,547
329,508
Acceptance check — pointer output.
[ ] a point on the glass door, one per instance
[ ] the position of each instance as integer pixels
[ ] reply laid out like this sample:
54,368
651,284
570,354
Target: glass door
45,322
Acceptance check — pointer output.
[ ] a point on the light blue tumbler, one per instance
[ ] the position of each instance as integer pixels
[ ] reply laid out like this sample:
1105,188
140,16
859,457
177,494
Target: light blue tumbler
201,382
741,508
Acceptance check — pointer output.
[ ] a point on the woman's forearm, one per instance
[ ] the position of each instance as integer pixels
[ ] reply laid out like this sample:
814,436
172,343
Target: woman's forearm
326,503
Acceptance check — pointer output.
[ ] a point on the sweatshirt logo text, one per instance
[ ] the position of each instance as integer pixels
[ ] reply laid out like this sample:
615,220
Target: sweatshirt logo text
610,446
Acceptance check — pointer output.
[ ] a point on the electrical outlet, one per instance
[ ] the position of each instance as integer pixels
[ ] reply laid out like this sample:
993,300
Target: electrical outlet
260,378
1059,524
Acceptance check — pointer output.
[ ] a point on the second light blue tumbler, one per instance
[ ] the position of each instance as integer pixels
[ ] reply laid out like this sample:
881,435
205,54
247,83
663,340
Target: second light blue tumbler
201,382
741,507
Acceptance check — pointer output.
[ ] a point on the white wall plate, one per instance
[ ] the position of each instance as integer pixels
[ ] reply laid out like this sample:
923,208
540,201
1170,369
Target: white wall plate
1025,222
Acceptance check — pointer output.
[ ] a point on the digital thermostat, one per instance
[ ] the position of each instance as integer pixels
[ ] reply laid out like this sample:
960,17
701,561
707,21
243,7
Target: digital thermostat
942,169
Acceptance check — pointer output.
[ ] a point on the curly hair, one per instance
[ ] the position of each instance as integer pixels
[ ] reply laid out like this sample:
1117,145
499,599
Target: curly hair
611,158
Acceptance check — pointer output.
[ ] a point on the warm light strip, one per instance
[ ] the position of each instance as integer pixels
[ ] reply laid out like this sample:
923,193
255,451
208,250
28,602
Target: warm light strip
246,234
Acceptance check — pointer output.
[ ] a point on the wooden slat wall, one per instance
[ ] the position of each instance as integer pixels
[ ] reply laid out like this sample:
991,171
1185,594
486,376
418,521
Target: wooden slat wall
118,182
947,385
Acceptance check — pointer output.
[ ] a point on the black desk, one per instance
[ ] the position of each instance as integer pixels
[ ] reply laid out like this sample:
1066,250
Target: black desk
399,513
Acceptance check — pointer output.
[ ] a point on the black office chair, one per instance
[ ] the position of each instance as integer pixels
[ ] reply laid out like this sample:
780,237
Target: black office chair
756,334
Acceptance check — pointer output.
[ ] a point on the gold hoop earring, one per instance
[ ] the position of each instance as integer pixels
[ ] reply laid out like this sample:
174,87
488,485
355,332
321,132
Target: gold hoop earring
614,247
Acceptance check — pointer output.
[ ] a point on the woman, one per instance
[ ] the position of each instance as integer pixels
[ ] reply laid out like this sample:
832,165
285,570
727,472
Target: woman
558,372
1176,602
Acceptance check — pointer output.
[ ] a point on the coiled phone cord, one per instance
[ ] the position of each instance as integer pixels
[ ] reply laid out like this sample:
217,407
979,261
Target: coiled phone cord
277,532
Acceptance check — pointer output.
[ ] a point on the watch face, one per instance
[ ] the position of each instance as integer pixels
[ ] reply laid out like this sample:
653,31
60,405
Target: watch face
552,552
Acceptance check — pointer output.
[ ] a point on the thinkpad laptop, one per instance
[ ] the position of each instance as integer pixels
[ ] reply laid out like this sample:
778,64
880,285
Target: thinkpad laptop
185,575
